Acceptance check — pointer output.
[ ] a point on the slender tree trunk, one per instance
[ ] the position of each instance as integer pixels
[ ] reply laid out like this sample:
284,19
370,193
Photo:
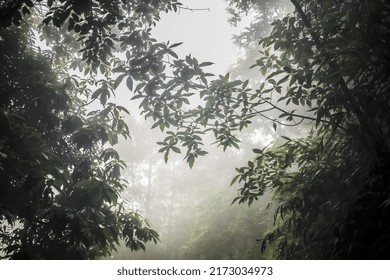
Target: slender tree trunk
149,188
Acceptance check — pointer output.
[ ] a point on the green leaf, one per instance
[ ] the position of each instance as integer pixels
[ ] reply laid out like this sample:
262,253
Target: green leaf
123,109
189,59
118,80
103,98
203,64
176,149
274,74
112,196
166,111
129,83
155,124
235,199
173,54
97,93
191,160
235,179
175,45
202,153
245,84
281,81
162,126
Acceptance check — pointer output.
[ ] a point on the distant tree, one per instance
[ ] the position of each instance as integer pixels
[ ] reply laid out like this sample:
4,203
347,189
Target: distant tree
223,231
260,14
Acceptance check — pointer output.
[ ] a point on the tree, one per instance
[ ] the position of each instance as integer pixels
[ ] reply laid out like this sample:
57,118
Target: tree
60,177
261,12
82,178
87,35
223,231
331,186
324,67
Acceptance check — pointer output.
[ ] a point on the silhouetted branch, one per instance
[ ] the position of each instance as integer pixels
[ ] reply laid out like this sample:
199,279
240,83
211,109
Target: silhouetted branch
193,10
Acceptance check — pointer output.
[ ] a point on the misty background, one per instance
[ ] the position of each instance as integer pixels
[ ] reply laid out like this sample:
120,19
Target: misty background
192,209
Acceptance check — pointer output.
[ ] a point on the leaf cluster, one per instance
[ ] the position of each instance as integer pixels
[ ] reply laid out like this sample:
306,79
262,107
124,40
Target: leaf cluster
60,183
330,187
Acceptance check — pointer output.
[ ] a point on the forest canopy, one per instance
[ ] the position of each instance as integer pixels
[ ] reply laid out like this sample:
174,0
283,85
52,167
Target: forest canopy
323,68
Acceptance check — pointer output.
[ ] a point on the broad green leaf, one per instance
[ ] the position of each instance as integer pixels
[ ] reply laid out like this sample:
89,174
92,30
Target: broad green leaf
129,83
118,80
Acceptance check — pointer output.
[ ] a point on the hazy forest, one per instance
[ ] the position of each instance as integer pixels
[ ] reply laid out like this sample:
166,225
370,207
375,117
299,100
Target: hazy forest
118,145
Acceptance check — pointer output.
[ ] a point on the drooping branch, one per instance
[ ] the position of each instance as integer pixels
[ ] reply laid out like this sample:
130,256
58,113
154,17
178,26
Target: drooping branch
300,116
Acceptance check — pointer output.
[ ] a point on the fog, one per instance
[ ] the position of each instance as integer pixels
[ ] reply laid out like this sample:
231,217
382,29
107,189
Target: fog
192,209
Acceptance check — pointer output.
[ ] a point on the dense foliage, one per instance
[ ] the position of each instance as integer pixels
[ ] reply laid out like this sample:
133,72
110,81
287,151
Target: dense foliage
324,67
60,176
332,186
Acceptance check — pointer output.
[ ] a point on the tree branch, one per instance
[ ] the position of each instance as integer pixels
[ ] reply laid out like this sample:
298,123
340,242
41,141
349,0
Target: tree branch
192,9
301,116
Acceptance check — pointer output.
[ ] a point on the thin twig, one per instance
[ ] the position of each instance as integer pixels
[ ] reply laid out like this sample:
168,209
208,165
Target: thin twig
193,10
